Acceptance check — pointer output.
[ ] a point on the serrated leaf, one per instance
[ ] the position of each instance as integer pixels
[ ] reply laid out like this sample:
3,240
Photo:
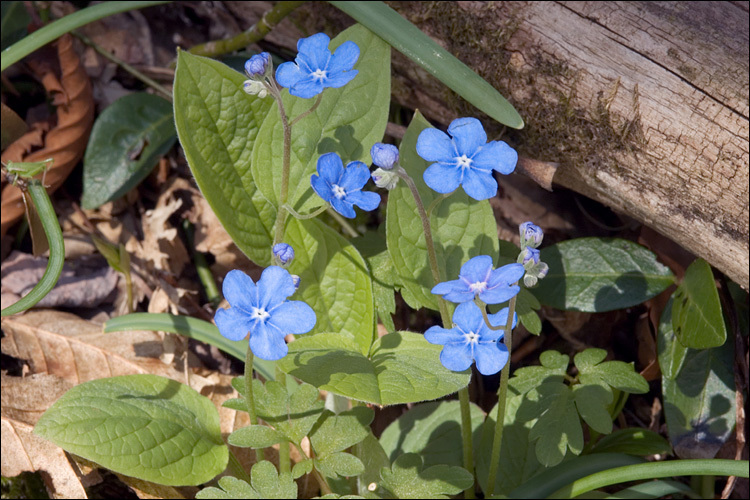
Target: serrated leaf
617,374
634,441
402,367
462,228
348,121
592,401
407,478
334,433
699,402
126,142
339,464
432,430
255,436
265,483
600,274
558,427
553,369
217,123
144,426
334,281
696,311
292,415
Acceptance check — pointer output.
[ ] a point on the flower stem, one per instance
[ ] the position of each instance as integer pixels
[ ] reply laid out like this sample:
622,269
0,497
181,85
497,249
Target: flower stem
325,489
502,394
285,166
311,110
249,399
297,215
463,394
342,222
483,308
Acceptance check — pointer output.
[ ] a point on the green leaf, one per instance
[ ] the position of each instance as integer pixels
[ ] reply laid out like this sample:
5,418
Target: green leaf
462,228
255,436
407,478
127,140
618,374
432,430
334,433
14,22
696,311
292,415
652,489
339,464
425,52
526,307
699,402
374,458
302,468
633,441
335,281
671,352
372,247
144,426
517,455
600,274
265,483
402,368
348,121
591,402
553,369
217,123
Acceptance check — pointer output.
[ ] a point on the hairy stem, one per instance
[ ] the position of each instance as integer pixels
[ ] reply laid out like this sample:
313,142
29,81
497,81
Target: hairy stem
249,399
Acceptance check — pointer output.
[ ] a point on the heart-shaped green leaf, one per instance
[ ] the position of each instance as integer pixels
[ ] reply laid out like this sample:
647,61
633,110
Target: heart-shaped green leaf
696,311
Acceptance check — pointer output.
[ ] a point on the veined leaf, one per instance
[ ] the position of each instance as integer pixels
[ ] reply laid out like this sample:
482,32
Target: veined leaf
696,311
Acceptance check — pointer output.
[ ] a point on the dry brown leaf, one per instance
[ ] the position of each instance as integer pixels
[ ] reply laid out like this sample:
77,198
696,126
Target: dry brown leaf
210,236
66,142
161,243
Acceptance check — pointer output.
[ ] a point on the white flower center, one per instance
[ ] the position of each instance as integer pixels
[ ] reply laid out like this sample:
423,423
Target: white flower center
471,337
478,287
259,314
320,74
464,162
338,191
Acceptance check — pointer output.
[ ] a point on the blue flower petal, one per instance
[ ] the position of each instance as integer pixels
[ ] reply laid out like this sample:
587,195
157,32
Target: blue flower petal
498,156
307,87
331,168
468,317
491,357
274,286
498,295
356,174
366,200
447,287
456,357
468,135
240,290
476,269
505,275
313,52
343,207
267,342
293,316
459,295
322,187
442,178
435,145
288,74
479,185
343,58
442,336
336,80
497,319
233,323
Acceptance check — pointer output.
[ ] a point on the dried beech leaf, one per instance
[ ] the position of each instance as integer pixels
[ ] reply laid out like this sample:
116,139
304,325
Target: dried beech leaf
66,142
162,245
26,398
23,451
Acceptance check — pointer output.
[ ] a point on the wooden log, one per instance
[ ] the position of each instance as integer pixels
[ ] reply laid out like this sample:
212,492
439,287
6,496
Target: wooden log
643,104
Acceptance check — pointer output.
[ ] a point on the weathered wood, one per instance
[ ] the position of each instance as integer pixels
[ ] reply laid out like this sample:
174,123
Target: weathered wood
643,104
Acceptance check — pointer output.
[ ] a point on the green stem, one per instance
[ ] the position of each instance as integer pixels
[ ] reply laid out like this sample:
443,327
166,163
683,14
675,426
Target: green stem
342,222
483,307
311,110
127,67
297,215
436,202
249,399
502,394
325,489
286,162
254,34
652,470
463,399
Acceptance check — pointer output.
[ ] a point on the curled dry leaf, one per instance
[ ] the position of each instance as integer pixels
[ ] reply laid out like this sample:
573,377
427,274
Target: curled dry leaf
66,142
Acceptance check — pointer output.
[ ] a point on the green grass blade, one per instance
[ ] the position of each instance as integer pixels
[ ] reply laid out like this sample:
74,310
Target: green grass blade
190,327
52,230
54,30
420,48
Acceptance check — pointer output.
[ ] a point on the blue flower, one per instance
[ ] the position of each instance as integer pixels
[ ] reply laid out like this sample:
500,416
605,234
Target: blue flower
315,68
342,187
529,256
283,252
531,234
477,278
465,158
255,67
470,339
262,310
384,156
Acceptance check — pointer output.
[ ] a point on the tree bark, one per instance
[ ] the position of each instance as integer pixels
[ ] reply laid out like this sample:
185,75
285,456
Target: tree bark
644,105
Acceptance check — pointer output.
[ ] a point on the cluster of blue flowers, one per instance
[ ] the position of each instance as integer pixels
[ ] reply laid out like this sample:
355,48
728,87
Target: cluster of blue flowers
462,157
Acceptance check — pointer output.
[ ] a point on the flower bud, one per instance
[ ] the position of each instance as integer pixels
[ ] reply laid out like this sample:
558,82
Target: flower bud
256,66
384,156
386,179
254,87
531,234
529,257
283,252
